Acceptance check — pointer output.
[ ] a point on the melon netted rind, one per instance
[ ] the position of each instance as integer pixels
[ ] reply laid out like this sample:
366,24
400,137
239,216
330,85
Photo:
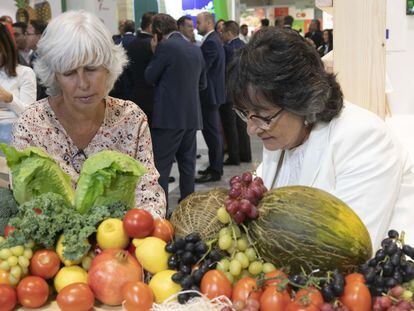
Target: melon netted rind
307,228
198,214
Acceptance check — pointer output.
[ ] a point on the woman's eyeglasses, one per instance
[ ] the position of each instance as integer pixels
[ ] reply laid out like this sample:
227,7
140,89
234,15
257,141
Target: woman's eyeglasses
259,121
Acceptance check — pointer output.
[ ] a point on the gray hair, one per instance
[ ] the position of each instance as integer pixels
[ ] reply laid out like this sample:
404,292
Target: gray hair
76,39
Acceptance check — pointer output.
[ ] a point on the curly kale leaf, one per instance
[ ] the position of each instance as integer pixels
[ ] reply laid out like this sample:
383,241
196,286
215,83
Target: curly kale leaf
49,215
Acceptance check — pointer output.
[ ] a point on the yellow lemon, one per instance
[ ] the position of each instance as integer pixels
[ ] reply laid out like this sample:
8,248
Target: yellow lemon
59,250
111,234
70,275
163,286
151,254
137,242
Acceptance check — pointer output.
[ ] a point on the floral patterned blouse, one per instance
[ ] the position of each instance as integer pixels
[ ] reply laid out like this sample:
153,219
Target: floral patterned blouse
124,129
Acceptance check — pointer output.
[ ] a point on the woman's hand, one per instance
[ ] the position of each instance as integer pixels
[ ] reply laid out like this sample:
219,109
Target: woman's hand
5,96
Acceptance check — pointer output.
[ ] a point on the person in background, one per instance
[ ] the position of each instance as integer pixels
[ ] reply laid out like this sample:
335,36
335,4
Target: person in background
139,54
186,27
129,33
34,32
313,137
78,63
176,70
218,27
17,85
327,45
244,33
279,22
235,132
315,33
288,21
212,97
121,28
21,44
264,23
121,87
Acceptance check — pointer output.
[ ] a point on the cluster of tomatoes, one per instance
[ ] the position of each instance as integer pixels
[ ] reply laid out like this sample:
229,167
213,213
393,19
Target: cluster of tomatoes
78,287
275,292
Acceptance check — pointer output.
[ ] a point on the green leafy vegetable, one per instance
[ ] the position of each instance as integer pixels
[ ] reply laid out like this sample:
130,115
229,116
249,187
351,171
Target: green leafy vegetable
107,177
58,216
35,173
8,208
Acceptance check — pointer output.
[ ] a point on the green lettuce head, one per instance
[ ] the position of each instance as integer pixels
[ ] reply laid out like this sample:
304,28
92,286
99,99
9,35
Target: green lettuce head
107,177
34,173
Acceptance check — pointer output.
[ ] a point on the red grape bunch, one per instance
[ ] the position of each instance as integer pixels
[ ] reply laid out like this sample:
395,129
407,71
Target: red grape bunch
244,196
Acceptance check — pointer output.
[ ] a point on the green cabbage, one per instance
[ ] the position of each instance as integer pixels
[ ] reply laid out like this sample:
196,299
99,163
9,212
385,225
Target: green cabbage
35,173
107,177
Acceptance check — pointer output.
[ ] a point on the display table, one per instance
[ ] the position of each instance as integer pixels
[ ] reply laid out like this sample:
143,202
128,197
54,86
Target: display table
52,306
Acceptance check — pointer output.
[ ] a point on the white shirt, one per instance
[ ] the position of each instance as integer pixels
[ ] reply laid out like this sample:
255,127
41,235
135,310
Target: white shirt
291,168
23,88
245,39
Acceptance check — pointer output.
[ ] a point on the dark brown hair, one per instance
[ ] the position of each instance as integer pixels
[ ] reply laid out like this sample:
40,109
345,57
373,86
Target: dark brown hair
279,67
8,51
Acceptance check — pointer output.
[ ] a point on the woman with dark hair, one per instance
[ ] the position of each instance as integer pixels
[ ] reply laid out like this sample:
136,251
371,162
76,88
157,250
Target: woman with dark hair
315,33
17,85
312,137
327,45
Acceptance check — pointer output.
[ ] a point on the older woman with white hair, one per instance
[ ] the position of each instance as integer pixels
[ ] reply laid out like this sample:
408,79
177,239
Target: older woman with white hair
78,64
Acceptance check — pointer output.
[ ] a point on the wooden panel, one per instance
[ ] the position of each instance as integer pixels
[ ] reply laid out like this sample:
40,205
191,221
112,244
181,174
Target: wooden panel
359,51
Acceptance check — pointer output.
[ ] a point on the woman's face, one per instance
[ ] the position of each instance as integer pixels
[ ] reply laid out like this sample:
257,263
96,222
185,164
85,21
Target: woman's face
326,37
84,87
286,130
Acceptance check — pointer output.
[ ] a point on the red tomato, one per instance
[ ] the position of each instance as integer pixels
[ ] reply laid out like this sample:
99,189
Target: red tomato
275,278
32,292
75,297
44,263
163,229
9,229
4,277
137,296
109,272
356,296
214,284
138,223
309,296
274,300
246,288
8,298
297,306
354,277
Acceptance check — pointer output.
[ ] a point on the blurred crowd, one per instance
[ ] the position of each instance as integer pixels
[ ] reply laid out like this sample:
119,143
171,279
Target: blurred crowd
177,78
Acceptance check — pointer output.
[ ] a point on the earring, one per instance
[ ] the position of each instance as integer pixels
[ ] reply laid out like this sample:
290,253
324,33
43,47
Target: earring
306,123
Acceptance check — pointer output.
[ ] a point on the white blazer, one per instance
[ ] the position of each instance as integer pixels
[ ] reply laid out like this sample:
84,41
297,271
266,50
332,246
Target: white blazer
357,158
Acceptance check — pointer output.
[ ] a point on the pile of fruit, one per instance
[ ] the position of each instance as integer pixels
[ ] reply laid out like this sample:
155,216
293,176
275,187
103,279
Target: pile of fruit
244,249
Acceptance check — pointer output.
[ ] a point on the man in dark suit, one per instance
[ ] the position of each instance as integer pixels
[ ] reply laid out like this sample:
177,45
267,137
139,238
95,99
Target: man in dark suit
139,54
129,34
235,131
212,97
176,70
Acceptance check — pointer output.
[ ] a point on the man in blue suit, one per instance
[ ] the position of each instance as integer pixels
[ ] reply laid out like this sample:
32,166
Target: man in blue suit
212,97
235,131
129,34
176,70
